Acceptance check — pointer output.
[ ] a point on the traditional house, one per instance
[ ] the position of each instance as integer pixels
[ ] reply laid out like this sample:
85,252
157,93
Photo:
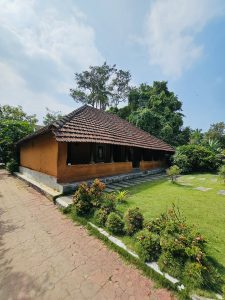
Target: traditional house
90,143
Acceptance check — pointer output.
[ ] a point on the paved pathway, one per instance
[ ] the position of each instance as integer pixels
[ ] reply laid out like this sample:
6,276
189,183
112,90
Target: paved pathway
44,256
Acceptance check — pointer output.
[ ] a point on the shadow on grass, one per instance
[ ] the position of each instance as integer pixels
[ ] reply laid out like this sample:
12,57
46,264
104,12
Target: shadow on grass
216,282
185,186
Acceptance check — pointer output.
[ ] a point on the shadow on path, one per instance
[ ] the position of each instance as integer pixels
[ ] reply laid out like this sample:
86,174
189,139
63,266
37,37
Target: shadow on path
13,284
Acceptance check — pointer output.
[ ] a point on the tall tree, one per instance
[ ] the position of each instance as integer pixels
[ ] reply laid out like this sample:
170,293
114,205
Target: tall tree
101,86
14,125
51,116
196,136
158,111
217,132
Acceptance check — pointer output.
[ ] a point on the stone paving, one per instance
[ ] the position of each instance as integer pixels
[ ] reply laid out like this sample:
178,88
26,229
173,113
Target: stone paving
43,255
221,192
202,189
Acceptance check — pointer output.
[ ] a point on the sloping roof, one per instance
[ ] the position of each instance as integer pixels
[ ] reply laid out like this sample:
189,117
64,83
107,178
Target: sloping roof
88,124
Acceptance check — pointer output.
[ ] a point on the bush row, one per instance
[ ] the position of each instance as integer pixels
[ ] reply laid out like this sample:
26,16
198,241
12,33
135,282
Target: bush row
90,199
179,249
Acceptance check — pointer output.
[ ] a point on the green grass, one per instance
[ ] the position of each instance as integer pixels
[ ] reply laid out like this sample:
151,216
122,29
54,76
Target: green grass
206,210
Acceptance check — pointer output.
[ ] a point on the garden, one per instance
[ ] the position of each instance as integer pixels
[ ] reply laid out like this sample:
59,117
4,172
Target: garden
176,224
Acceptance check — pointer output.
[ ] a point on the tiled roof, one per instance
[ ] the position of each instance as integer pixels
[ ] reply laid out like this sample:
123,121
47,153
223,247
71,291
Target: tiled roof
88,124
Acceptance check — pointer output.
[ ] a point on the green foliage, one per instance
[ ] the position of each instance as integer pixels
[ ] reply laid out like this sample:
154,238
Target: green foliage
196,137
158,111
133,220
217,132
14,125
121,196
51,116
12,166
101,216
109,203
148,246
179,248
115,223
168,263
88,197
16,113
222,173
96,191
213,145
193,274
173,172
182,161
82,200
101,86
196,159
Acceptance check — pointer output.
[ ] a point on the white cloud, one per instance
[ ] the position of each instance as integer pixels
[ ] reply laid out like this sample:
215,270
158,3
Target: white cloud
171,31
48,43
14,91
65,38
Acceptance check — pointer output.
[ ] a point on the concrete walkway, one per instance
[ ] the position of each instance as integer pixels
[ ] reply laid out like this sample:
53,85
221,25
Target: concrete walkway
43,255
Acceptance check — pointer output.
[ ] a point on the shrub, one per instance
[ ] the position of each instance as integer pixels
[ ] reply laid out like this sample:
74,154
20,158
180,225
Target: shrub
197,159
182,161
109,203
148,246
173,172
222,173
12,166
168,263
115,223
96,192
100,217
121,196
88,197
193,274
133,220
82,200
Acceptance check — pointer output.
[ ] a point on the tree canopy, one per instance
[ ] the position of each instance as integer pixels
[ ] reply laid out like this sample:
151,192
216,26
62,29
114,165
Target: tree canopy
156,110
14,125
101,86
51,116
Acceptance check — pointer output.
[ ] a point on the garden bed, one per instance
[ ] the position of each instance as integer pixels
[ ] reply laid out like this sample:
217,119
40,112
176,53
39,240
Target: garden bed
155,198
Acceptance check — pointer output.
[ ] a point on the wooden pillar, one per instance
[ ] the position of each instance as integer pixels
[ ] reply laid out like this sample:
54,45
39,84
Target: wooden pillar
111,158
126,154
142,156
92,154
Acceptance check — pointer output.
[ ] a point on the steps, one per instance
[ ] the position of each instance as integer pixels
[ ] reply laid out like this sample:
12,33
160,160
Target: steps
124,184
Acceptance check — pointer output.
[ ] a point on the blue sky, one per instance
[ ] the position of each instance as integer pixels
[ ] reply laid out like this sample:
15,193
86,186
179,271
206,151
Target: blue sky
43,43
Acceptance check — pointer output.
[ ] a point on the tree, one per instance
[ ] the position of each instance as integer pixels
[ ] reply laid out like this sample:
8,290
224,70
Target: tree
101,86
173,172
14,125
196,136
158,111
51,116
217,132
16,113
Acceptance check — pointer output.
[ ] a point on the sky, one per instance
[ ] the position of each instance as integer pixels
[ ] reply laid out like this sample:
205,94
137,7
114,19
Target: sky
44,42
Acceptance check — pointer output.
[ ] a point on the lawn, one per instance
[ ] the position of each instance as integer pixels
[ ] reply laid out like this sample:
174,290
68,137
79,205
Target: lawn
206,210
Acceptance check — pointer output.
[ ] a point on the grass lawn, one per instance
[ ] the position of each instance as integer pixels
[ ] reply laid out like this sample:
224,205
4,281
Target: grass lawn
206,210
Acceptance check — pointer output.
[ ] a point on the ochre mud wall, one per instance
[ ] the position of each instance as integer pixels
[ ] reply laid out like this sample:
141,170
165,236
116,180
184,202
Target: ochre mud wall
40,154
